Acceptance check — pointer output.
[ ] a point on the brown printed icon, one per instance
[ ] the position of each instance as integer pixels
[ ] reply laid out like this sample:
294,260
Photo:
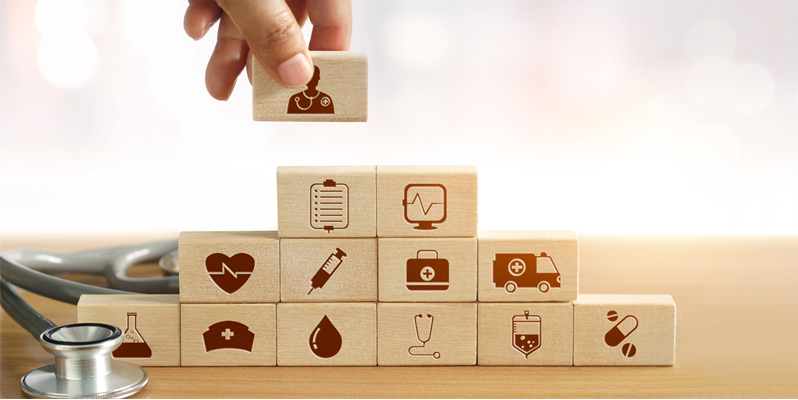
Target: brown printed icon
311,100
427,274
228,335
329,205
526,333
425,205
423,351
133,345
325,340
229,273
330,265
618,333
525,270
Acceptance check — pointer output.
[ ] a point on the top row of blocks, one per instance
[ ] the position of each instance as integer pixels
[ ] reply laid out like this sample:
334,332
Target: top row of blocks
384,201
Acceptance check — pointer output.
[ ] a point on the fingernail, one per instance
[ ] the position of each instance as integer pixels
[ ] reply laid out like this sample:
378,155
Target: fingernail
296,71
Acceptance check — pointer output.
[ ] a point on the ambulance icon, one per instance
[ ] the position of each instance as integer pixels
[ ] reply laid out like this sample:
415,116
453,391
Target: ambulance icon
525,270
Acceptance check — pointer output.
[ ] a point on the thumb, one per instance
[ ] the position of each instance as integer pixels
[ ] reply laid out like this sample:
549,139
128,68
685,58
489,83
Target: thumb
274,38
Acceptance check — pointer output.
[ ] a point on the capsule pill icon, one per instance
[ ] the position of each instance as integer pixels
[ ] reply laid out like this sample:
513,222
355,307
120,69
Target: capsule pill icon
620,331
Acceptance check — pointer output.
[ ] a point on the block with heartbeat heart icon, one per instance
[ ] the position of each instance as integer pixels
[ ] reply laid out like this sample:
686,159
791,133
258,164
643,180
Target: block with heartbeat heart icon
229,267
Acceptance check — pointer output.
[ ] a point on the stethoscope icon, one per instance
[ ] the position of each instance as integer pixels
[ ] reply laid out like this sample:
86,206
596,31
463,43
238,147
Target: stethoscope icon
436,355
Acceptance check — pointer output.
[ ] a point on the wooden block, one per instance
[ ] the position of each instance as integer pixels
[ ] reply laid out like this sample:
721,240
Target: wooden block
420,201
428,269
521,266
327,202
228,334
150,322
229,267
321,270
624,329
327,334
337,92
526,334
426,333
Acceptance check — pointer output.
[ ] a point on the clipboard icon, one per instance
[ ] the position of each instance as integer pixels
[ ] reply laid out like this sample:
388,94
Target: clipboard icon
329,205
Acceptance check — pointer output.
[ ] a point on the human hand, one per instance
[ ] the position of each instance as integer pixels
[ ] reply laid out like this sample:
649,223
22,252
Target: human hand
270,31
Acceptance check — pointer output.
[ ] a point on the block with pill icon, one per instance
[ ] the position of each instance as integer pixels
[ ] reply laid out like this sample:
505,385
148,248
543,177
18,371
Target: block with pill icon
327,202
338,91
432,334
229,267
525,334
327,334
427,269
427,201
150,325
328,270
624,329
228,334
522,266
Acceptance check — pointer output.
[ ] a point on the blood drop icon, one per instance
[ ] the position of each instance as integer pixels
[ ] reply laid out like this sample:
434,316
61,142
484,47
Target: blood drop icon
325,340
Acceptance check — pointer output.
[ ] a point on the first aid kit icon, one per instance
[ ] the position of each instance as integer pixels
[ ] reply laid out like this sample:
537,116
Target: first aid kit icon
427,273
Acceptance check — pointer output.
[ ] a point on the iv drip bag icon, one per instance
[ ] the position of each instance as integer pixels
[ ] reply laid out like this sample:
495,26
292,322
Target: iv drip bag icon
133,345
526,333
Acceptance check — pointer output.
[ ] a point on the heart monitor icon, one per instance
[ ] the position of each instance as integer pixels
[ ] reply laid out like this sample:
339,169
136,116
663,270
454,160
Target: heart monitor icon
229,273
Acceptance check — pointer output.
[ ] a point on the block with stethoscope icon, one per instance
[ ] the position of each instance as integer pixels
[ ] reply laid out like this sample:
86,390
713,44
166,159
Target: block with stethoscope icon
427,333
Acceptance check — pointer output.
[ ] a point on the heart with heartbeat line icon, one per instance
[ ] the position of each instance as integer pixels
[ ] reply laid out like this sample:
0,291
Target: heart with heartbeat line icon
229,273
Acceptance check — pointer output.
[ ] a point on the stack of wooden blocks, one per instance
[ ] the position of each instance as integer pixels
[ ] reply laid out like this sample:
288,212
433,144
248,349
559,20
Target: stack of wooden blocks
384,266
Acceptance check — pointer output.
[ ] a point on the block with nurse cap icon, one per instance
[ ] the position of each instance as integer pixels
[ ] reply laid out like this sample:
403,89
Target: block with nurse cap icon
338,91
228,334
624,329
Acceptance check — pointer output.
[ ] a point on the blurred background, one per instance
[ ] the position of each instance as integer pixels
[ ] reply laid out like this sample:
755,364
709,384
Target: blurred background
620,117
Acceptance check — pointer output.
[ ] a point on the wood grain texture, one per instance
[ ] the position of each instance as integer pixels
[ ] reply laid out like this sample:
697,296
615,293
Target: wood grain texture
355,322
209,339
404,264
422,190
496,337
501,253
451,333
624,330
304,209
343,81
355,279
157,321
197,285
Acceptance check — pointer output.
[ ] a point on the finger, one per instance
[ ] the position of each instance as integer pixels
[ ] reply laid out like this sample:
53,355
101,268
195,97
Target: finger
227,61
299,9
332,24
274,37
200,17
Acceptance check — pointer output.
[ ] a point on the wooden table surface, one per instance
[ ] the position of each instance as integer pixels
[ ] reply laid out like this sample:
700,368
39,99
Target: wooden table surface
736,332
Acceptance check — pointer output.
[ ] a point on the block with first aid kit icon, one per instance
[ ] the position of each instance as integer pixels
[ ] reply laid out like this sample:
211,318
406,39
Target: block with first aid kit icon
523,266
229,267
427,269
228,334
624,329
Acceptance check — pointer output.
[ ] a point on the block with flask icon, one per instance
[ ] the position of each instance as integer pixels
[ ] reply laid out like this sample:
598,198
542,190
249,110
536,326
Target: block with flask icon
428,269
624,329
523,266
525,333
328,270
426,334
228,334
427,201
327,202
327,334
229,267
150,324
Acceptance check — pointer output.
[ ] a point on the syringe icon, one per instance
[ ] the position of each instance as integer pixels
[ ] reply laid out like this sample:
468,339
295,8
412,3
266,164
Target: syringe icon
327,269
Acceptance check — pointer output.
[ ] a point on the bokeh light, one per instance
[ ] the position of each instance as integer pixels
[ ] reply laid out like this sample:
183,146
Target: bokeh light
751,88
710,37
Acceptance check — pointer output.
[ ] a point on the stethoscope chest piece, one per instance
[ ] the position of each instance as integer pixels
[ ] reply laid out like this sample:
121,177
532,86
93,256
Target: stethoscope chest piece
83,365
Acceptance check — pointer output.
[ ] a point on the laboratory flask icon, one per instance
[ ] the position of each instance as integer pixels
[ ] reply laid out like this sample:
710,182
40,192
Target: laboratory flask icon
425,204
618,333
311,100
133,345
325,340
330,265
329,205
421,351
526,333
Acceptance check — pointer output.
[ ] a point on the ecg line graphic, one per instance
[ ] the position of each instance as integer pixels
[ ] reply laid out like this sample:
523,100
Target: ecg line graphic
421,202
226,268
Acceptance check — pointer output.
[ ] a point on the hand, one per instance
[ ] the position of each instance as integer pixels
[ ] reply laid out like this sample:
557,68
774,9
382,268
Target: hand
269,30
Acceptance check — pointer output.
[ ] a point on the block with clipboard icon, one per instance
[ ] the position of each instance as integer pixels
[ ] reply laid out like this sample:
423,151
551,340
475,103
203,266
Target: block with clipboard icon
427,273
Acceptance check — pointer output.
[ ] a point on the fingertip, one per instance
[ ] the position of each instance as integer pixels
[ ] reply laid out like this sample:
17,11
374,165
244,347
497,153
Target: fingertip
296,71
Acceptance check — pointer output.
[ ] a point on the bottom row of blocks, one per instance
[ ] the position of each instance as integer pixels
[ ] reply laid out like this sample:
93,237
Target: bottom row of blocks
593,330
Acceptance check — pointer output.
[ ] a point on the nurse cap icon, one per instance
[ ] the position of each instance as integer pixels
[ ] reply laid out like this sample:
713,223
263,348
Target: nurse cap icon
228,335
